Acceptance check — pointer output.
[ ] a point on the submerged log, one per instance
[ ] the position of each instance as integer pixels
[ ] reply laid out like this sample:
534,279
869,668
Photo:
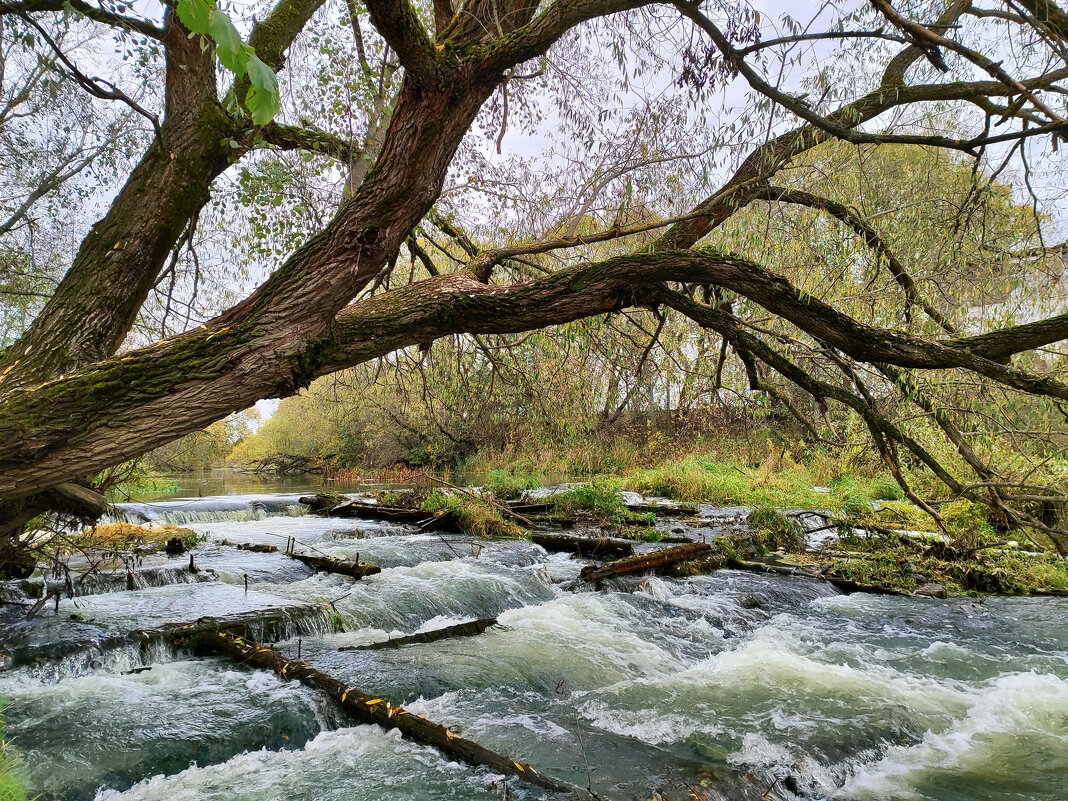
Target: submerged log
468,629
328,564
257,547
658,560
369,708
20,643
371,511
583,546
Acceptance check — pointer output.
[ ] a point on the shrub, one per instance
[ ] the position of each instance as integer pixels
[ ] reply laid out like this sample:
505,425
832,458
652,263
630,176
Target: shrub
774,531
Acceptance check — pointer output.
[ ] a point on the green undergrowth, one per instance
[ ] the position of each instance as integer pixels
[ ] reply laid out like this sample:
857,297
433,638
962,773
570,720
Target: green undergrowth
599,501
904,563
509,485
475,517
777,482
11,788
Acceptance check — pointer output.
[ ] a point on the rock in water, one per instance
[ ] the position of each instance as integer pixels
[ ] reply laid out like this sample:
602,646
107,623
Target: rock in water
931,591
175,547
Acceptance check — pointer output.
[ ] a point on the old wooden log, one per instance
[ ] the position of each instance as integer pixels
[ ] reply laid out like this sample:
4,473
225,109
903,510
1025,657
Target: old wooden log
597,547
328,564
257,547
468,629
369,708
371,511
846,586
657,560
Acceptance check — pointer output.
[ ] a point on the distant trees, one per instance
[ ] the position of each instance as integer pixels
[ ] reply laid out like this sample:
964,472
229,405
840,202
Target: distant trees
393,113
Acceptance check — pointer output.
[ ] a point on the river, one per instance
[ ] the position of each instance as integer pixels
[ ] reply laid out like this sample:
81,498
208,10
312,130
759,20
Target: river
718,686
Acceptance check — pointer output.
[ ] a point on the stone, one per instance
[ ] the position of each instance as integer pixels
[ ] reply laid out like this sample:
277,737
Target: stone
931,591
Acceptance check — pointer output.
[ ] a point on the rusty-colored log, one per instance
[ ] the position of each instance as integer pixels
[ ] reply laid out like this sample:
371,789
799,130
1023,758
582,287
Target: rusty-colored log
328,564
657,560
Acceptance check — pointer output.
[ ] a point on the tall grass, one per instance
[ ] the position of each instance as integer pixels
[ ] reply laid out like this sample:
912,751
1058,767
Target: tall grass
11,788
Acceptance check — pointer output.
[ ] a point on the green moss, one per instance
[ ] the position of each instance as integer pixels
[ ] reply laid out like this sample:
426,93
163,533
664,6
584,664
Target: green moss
903,563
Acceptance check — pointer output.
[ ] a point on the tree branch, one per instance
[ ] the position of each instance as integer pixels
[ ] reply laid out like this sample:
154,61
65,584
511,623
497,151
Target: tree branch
92,12
399,25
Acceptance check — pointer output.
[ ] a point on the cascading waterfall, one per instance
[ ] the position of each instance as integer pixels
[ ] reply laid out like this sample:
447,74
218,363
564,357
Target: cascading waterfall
676,686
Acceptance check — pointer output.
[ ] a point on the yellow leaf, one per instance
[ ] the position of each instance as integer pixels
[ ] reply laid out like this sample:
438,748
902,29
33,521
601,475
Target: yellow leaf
518,765
373,701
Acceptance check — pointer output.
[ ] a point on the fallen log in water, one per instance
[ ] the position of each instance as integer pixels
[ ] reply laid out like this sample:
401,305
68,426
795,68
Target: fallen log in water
583,546
468,629
657,560
847,586
372,511
372,709
328,564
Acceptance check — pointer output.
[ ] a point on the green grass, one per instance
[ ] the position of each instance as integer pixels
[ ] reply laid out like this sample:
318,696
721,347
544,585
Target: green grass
600,500
508,485
475,518
11,788
723,483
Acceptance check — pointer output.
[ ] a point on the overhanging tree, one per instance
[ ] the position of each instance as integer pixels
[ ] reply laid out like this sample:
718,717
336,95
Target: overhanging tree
73,404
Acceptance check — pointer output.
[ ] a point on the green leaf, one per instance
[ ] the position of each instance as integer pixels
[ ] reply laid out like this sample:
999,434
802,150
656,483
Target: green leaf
232,52
262,105
194,14
260,74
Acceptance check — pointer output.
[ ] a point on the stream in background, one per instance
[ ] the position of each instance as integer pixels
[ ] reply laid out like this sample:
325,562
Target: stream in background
677,686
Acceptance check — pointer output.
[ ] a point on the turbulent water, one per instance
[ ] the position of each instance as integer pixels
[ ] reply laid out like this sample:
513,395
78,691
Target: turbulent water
717,686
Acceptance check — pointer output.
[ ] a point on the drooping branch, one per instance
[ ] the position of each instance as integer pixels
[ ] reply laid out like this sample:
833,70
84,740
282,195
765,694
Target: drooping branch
87,10
846,129
765,160
882,249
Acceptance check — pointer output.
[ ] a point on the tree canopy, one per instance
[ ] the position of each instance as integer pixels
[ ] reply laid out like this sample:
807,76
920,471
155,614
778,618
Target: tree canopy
854,206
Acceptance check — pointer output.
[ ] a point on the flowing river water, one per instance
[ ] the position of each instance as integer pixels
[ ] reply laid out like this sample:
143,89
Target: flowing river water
718,686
